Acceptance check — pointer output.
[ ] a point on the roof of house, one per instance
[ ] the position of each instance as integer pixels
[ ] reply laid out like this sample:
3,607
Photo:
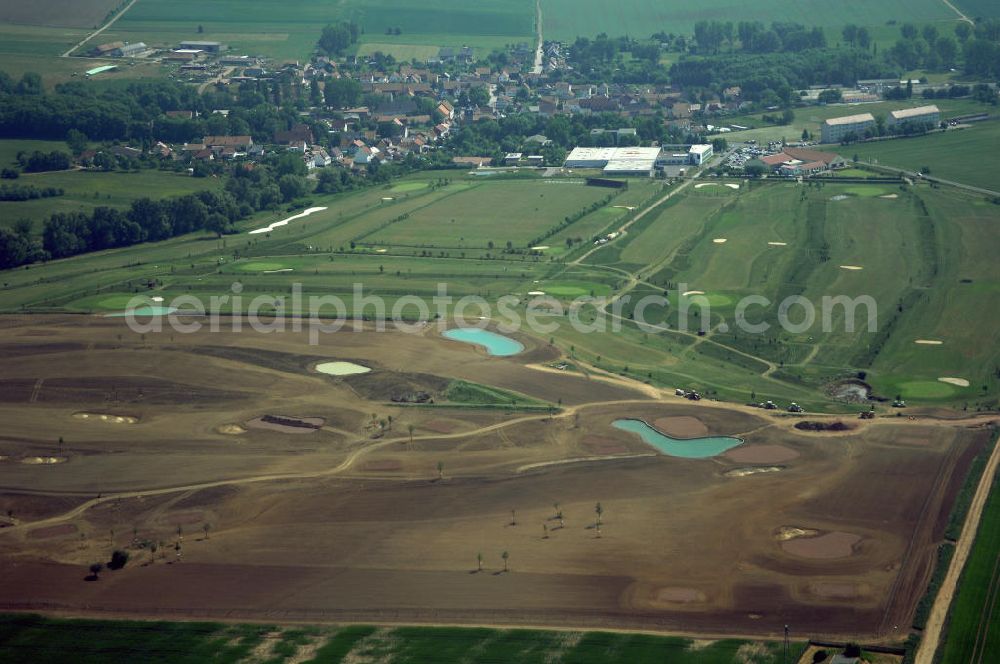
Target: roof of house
224,141
850,119
905,113
775,159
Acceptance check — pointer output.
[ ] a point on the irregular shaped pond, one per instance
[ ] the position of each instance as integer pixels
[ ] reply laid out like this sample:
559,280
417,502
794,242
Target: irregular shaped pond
690,448
495,344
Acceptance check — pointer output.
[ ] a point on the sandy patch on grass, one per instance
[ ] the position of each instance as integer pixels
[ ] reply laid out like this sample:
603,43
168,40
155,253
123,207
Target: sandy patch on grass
928,342
42,460
625,207
388,198
156,299
889,196
791,532
732,185
231,429
681,427
720,240
761,454
284,222
541,247
778,244
536,292
284,269
105,417
755,470
706,184
381,251
692,292
831,545
851,267
961,382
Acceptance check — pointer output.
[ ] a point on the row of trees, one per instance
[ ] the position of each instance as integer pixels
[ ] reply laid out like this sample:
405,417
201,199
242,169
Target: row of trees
755,37
27,192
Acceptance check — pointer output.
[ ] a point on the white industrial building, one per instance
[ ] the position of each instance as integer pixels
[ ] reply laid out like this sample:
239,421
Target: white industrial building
684,155
615,161
835,129
920,115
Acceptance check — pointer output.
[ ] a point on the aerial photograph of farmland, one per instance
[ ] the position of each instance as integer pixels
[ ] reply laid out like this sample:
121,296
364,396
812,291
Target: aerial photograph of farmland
509,331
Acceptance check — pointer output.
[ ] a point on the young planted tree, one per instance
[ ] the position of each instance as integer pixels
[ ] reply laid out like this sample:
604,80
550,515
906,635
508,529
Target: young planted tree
513,518
409,429
506,559
206,527
95,570
599,511
479,561
152,553
440,470
545,531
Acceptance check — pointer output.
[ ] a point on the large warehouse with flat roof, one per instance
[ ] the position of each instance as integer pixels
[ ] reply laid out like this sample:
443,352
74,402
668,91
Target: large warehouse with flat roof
615,161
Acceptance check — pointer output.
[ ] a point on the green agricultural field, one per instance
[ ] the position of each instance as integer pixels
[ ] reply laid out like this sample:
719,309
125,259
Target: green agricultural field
86,190
261,27
490,215
567,19
968,155
973,633
43,640
74,14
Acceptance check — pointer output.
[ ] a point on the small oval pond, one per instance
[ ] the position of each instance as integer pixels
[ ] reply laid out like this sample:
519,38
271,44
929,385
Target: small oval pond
692,448
341,368
495,344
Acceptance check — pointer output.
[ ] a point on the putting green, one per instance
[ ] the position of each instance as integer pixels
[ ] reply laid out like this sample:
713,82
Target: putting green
866,190
409,186
261,267
714,299
925,389
575,289
116,302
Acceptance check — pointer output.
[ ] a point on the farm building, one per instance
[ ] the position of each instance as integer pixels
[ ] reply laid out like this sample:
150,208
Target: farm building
210,46
835,129
130,50
621,161
921,115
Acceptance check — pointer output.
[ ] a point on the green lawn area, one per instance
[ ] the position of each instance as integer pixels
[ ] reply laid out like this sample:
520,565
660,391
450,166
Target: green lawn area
86,190
973,632
263,27
44,640
494,212
968,155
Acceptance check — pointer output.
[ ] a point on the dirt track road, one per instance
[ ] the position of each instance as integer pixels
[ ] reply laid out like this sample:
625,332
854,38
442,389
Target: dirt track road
939,612
100,29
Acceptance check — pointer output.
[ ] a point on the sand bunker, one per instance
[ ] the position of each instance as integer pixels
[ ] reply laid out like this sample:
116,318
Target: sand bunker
839,197
381,251
851,267
286,424
104,417
625,207
284,222
284,269
755,470
831,545
679,595
42,461
536,292
692,292
156,299
341,368
231,429
829,590
791,532
541,247
388,198
732,185
761,454
928,342
681,427
705,184
778,244
720,240
889,196
961,382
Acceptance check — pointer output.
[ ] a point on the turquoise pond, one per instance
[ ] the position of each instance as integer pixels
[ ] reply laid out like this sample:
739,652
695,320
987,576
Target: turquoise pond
495,344
691,448
152,310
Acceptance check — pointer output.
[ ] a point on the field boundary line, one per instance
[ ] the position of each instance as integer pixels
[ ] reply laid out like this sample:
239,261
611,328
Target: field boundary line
963,547
961,15
100,29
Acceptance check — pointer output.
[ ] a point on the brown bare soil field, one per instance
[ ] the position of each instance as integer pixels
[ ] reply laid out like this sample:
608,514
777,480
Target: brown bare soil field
356,522
57,13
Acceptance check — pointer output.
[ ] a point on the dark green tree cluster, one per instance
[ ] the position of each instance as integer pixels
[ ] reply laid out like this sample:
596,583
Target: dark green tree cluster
335,39
18,246
37,162
27,192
